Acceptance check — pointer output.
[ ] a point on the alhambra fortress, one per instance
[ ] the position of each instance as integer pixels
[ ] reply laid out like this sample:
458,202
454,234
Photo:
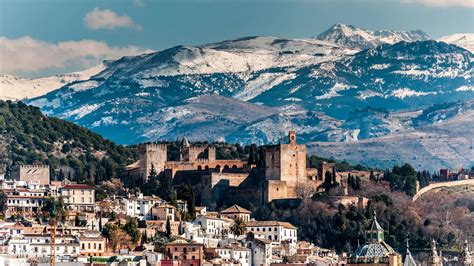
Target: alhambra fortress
234,181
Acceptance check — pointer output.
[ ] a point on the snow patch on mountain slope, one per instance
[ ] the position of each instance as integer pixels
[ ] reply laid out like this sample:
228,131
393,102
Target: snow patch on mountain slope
465,88
333,91
464,40
262,83
17,88
406,92
364,94
81,111
82,86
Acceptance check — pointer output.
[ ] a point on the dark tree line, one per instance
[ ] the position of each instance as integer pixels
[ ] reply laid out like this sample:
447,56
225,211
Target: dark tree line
406,178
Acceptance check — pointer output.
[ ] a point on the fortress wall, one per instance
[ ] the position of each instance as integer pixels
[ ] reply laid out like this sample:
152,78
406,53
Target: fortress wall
442,184
32,173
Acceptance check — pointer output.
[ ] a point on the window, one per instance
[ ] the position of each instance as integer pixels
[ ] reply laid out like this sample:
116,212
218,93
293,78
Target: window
100,246
89,245
263,229
83,246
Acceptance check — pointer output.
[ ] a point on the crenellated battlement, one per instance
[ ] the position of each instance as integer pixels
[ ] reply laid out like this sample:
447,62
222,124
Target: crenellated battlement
155,146
34,166
202,160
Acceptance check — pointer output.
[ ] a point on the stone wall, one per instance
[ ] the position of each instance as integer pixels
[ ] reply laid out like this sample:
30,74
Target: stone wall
276,189
32,173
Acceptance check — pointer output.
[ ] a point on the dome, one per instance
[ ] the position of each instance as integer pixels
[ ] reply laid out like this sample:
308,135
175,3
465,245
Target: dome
374,251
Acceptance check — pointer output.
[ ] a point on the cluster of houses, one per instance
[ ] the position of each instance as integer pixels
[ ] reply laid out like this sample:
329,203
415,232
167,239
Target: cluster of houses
27,239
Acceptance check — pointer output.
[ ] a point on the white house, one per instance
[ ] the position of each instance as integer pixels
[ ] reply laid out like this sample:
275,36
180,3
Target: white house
24,201
277,232
139,206
231,253
213,226
40,246
78,197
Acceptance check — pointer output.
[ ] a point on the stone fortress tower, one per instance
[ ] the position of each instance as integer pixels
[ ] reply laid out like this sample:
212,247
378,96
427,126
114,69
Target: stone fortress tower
152,154
286,162
285,169
188,153
32,173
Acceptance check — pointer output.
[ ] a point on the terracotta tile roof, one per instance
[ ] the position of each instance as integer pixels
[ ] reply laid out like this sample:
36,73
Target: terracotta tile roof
78,186
269,223
236,209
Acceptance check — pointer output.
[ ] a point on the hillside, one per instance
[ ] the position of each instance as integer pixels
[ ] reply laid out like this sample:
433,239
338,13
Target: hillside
29,137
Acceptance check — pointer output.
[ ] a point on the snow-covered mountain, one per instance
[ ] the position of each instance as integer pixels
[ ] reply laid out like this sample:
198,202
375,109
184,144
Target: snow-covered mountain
255,89
17,88
168,93
357,38
464,40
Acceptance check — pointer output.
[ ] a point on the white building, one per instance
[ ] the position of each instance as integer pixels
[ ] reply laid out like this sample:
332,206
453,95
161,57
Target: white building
213,226
194,232
24,201
78,197
34,245
277,232
139,206
229,254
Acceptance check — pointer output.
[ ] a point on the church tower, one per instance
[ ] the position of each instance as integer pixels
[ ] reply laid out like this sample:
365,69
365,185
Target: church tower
435,258
466,258
184,150
376,233
409,261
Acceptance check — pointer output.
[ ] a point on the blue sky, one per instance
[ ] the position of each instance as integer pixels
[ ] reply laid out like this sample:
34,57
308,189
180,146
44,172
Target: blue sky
53,30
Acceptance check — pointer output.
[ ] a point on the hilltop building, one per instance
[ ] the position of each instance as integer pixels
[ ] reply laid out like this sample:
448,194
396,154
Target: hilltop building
375,251
217,180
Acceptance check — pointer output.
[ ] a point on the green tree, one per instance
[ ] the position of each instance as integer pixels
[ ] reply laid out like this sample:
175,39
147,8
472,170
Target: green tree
153,184
3,201
238,228
131,228
168,227
327,184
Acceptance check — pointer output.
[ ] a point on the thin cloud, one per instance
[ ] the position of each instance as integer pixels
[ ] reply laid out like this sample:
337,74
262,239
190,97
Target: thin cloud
139,3
108,19
28,56
443,3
